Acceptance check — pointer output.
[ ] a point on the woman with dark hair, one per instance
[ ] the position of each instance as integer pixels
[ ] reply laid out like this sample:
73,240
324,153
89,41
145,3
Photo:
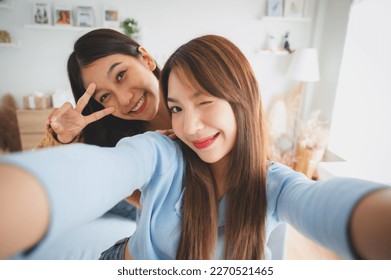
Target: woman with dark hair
125,92
122,100
211,194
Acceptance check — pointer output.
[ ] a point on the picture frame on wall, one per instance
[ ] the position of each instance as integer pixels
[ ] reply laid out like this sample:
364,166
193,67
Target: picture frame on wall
84,16
110,17
294,8
275,8
41,13
63,15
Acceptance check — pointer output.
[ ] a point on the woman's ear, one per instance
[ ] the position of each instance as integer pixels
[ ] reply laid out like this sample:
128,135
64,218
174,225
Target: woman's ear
147,58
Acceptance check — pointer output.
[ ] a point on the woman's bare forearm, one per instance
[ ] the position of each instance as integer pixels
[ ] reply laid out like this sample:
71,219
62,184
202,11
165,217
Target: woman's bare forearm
24,211
371,226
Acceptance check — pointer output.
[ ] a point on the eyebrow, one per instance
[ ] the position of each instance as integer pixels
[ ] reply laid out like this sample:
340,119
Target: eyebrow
112,68
194,96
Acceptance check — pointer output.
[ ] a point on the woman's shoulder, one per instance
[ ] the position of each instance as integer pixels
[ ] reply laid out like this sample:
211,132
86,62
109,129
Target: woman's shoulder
151,139
276,169
157,149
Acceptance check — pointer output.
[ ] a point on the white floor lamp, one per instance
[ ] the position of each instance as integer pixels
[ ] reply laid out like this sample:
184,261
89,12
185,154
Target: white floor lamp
304,68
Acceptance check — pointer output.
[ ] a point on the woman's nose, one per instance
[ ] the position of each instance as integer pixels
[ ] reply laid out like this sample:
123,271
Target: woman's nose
192,123
125,98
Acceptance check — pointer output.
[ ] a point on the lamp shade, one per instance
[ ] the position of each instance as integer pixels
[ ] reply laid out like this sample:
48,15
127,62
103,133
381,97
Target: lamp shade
304,65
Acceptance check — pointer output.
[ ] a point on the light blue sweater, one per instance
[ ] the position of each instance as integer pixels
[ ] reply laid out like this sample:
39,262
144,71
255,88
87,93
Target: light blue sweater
84,181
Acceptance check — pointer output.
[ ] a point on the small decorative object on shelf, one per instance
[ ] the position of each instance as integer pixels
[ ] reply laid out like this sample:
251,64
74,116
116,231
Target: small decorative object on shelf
84,16
275,8
272,44
286,44
311,144
63,15
5,37
294,8
42,13
130,27
37,100
272,47
110,17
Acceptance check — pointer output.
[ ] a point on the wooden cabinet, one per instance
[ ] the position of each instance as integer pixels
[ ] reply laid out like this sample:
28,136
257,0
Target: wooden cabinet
32,126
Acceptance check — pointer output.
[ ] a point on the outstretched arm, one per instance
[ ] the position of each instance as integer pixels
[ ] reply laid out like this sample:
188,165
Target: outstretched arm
29,204
351,217
72,184
370,226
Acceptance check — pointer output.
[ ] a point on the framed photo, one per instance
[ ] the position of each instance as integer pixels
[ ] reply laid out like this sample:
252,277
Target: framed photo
85,16
41,13
110,17
275,8
294,8
62,15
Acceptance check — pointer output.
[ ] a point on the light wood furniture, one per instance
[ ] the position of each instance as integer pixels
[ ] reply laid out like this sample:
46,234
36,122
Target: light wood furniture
299,247
32,126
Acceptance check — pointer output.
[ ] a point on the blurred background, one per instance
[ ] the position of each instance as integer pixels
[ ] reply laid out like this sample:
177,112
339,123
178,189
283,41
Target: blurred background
343,109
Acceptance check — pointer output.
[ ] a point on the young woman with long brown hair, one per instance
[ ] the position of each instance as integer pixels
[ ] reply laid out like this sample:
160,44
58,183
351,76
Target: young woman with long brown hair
210,194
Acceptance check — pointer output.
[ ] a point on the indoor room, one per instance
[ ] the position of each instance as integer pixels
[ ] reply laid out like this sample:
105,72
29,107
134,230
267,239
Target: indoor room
322,68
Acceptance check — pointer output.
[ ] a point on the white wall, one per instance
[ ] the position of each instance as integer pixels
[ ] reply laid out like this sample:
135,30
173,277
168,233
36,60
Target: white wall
40,61
361,130
329,38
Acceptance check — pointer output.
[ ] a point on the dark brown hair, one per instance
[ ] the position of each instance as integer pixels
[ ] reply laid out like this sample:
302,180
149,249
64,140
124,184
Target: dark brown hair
215,65
88,48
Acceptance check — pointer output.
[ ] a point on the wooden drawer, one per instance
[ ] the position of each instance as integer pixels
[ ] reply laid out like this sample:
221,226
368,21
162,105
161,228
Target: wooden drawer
32,126
32,121
31,140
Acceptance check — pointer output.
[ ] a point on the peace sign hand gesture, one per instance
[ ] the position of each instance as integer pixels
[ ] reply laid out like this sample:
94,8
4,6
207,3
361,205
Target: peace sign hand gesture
67,122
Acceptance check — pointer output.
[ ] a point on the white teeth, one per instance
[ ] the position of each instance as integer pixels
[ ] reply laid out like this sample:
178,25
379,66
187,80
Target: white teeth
139,104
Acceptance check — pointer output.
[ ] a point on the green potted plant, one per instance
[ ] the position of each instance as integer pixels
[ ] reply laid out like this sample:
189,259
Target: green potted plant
130,27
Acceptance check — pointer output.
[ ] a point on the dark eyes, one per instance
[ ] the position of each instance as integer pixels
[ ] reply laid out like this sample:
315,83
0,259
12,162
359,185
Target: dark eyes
120,75
175,109
103,97
118,78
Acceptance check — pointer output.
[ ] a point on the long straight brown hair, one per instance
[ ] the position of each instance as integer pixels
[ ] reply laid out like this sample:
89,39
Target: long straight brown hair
213,65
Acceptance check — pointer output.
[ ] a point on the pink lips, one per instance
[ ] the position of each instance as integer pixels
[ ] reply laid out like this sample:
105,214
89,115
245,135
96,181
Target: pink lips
204,143
141,108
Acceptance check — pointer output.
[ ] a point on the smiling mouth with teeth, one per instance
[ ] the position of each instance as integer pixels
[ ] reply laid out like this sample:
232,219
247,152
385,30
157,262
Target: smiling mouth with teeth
140,105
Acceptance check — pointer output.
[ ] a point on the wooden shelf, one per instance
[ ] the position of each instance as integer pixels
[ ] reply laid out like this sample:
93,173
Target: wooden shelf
32,126
64,27
287,19
270,52
58,27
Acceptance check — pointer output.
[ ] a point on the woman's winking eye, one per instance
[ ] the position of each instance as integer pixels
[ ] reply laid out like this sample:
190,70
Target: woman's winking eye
206,102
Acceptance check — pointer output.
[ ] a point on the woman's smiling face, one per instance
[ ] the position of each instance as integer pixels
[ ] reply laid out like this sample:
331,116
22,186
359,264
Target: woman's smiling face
205,123
125,83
